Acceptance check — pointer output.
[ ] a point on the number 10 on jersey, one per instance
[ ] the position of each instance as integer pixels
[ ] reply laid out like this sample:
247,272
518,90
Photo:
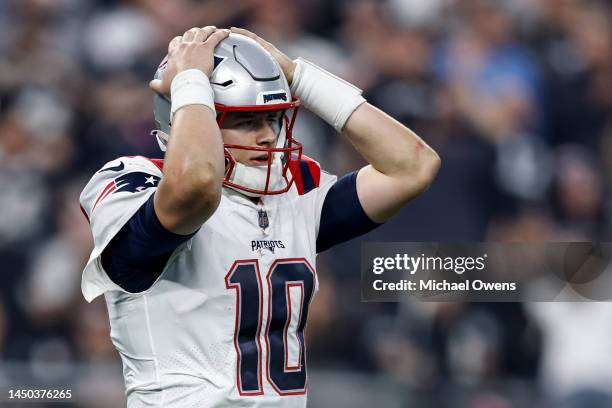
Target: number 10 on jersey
286,280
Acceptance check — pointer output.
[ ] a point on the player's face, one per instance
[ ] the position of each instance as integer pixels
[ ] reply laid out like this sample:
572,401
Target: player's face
254,129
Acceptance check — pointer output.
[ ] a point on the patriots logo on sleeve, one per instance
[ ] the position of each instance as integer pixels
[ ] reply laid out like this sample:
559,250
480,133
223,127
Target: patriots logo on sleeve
133,182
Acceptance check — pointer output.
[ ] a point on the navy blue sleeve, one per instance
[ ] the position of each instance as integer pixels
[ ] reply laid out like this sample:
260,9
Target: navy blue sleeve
137,255
342,216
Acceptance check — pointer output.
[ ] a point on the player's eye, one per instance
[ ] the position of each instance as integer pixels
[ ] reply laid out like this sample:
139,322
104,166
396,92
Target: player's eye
248,122
252,122
274,117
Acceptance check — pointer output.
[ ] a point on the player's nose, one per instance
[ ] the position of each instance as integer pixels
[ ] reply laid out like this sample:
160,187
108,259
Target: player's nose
265,135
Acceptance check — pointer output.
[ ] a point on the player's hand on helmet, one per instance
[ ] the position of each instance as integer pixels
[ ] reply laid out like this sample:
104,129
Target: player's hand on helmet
192,50
286,63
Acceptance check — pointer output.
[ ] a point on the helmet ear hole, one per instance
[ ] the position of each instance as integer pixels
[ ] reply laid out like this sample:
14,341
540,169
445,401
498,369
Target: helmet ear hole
161,110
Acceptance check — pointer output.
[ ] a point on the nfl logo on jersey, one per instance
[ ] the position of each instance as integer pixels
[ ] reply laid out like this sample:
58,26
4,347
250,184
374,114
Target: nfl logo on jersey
263,219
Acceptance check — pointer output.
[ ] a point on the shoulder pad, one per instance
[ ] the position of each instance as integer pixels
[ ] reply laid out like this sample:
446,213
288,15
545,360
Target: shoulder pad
306,173
128,174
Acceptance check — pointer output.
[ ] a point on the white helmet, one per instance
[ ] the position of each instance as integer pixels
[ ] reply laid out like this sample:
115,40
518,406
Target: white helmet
246,78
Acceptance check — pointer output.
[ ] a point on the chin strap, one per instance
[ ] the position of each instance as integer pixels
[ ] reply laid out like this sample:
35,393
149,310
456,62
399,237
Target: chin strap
254,177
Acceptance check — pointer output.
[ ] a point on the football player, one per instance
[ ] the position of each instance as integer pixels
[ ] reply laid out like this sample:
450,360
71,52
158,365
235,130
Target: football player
207,258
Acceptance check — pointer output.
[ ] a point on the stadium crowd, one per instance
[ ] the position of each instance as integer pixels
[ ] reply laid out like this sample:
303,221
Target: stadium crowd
515,95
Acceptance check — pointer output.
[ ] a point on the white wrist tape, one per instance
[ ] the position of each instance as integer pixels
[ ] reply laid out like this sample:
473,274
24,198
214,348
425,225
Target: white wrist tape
191,87
329,97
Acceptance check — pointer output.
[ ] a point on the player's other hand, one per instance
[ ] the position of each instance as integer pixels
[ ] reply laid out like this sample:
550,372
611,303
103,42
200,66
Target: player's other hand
286,63
192,50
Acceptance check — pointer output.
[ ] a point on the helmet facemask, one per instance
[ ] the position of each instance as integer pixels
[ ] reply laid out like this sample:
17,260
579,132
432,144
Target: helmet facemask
273,175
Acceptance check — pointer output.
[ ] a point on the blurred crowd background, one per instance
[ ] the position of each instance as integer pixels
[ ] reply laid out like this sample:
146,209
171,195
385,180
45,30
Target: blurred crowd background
515,95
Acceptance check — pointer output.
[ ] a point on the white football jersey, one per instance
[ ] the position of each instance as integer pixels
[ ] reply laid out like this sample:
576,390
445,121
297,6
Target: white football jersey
223,326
